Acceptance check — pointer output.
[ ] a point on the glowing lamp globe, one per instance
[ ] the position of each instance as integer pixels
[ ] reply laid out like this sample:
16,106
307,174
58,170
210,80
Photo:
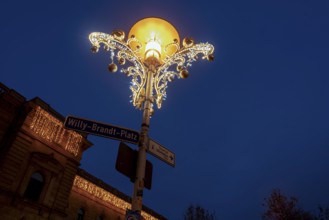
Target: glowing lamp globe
158,39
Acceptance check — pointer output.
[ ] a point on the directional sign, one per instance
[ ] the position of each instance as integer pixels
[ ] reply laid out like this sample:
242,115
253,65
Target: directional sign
161,152
101,129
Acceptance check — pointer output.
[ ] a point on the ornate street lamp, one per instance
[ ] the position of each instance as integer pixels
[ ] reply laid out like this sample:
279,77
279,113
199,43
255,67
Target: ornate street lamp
155,58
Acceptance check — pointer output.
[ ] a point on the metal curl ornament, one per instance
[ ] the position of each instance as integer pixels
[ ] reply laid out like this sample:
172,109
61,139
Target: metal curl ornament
174,63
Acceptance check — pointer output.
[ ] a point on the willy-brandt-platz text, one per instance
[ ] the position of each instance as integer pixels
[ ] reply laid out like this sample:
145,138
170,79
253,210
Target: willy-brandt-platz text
102,129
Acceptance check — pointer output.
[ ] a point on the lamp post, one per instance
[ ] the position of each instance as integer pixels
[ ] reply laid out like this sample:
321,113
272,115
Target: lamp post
155,58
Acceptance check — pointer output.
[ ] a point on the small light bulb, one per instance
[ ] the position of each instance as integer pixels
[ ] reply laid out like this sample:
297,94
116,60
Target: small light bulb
153,49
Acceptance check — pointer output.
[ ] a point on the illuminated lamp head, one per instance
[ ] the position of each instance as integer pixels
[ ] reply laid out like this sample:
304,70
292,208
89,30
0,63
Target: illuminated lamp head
158,38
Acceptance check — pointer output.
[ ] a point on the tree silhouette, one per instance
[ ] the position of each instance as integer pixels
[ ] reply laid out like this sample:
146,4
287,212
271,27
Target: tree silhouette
279,207
323,213
198,213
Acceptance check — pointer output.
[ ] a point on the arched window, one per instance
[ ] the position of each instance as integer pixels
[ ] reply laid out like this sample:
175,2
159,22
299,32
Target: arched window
81,214
34,187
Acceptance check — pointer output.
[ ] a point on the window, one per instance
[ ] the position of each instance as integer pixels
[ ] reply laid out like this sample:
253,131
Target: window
34,187
81,214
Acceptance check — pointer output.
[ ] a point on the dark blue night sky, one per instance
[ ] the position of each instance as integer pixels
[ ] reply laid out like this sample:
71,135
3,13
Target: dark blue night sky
255,119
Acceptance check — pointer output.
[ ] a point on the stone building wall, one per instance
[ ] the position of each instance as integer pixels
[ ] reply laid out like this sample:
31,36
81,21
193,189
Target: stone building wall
39,167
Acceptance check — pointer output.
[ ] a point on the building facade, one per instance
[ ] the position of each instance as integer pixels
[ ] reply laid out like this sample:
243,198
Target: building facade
40,176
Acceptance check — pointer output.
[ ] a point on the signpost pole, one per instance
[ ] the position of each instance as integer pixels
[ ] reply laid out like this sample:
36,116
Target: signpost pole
141,161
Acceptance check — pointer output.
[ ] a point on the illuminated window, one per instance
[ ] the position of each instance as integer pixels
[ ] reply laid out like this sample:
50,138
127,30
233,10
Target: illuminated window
34,187
81,214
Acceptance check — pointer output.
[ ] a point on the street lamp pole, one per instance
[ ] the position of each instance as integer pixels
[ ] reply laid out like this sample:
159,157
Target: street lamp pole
155,56
141,160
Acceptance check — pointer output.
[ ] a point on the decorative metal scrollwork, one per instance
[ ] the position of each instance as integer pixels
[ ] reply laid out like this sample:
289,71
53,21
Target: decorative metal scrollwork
175,65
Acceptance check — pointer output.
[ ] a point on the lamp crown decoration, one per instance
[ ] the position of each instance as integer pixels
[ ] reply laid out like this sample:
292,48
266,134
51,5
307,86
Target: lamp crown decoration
152,43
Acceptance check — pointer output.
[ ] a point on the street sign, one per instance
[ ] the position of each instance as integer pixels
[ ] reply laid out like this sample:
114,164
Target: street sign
161,152
126,164
101,129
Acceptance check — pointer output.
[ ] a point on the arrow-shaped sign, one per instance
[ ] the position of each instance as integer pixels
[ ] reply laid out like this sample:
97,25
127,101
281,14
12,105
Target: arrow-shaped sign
161,152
